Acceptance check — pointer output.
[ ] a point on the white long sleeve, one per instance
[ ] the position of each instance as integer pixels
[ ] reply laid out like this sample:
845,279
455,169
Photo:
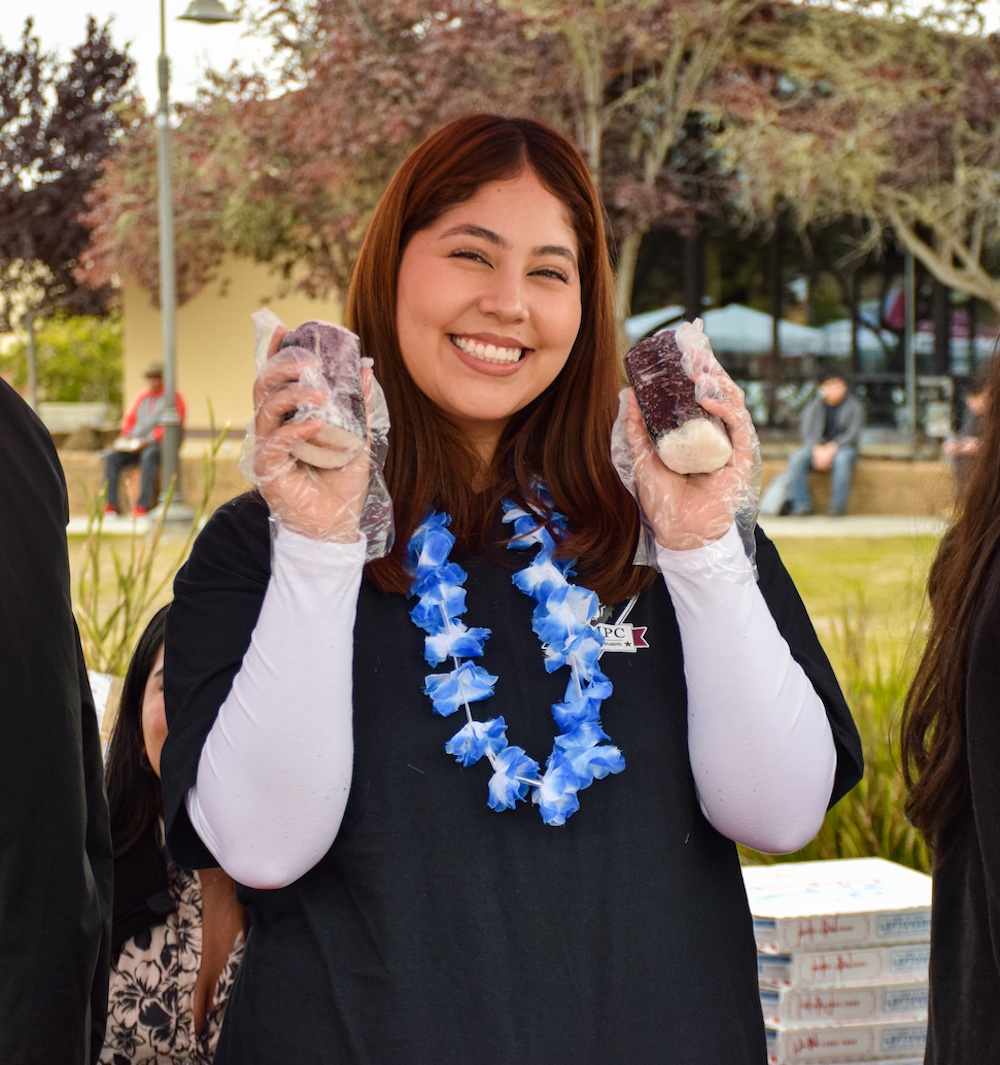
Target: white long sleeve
275,772
761,749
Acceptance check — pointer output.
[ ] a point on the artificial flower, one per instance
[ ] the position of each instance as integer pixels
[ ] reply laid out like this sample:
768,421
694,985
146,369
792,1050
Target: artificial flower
441,597
475,738
556,795
581,651
543,576
467,683
595,763
576,709
512,771
585,734
457,642
530,529
564,612
431,543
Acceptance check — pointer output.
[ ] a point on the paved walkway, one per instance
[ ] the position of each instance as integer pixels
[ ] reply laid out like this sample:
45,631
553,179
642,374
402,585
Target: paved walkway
126,526
854,526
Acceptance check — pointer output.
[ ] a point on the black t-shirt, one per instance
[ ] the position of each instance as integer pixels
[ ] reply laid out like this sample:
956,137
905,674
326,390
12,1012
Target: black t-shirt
437,931
831,420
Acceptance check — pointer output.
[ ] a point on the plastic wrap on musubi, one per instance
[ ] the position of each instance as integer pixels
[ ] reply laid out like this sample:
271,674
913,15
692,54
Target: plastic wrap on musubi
337,375
343,436
687,438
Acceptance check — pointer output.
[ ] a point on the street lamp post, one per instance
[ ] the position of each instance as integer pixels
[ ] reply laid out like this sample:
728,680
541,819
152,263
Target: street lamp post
207,11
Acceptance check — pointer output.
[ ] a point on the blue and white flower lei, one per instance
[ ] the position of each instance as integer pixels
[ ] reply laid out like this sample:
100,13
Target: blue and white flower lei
561,620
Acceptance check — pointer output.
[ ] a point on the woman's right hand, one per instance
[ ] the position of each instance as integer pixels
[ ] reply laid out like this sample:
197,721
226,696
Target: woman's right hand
322,504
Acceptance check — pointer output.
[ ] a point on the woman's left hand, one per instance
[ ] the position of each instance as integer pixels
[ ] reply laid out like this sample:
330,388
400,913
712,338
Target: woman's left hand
687,511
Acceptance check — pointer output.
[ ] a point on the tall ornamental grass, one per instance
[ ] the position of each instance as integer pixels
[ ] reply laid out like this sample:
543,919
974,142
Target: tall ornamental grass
875,672
121,582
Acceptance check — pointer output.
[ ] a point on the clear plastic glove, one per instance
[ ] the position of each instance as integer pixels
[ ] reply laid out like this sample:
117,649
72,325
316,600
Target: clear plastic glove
293,405
686,511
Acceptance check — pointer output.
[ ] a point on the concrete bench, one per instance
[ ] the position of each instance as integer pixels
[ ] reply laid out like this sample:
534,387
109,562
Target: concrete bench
904,487
85,475
68,417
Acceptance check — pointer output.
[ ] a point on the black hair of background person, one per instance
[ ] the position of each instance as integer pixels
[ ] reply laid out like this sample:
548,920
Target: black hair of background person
142,897
55,844
135,799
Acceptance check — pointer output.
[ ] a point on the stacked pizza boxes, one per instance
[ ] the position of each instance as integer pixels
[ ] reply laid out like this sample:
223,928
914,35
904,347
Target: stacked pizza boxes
843,949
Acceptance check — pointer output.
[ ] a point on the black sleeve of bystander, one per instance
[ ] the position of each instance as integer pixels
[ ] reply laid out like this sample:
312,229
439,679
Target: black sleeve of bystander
55,844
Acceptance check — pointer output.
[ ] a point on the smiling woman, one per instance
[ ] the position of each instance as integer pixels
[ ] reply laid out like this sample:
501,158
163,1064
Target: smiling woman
487,315
430,454
405,908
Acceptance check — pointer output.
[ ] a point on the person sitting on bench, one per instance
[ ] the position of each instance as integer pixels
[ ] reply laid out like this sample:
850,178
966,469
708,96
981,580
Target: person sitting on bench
139,443
829,428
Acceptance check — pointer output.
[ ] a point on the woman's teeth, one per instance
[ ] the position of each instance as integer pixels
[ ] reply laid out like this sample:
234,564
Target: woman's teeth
486,352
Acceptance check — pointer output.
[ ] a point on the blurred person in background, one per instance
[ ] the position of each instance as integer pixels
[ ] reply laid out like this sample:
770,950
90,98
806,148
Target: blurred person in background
55,847
961,448
139,442
829,427
177,936
951,764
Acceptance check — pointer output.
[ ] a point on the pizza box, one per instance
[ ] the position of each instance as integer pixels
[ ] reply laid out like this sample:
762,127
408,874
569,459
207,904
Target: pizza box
806,1007
832,905
840,968
846,1043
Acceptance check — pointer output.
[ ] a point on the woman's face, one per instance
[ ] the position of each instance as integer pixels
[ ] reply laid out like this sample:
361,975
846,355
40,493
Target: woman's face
154,719
488,304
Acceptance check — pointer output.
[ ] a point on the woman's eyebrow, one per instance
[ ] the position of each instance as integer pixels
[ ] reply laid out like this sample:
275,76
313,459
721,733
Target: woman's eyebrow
556,249
469,230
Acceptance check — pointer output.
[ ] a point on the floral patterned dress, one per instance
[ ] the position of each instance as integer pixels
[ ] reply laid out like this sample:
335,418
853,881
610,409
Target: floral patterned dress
150,1001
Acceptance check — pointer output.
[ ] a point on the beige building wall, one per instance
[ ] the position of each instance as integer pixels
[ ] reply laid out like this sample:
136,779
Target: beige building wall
215,341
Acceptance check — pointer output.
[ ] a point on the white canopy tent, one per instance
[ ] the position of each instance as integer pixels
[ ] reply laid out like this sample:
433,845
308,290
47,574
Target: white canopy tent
958,346
736,329
837,336
639,325
743,331
880,341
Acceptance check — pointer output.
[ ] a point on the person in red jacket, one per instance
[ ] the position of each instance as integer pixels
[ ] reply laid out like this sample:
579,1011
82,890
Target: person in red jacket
139,443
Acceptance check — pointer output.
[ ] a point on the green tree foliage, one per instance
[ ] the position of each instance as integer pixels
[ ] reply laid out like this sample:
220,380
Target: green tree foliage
290,178
293,175
121,214
737,110
640,89
79,360
892,122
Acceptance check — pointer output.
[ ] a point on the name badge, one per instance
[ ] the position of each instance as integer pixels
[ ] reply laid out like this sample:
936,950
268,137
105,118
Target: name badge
623,637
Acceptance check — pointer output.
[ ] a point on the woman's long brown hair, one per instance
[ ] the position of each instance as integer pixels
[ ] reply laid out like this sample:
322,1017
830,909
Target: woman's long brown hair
935,765
561,439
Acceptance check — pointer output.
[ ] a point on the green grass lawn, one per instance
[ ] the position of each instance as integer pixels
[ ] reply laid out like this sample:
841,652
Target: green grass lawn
881,579
867,600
